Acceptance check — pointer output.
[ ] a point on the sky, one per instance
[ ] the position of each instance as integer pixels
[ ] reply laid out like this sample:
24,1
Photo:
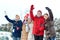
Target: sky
21,7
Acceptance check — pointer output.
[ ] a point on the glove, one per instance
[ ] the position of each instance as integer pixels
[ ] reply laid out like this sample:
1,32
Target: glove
47,8
32,7
5,13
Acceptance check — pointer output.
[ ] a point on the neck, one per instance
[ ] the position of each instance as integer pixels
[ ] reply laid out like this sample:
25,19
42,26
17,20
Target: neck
16,20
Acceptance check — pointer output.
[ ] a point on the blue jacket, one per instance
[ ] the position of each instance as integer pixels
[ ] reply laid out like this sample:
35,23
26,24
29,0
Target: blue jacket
16,33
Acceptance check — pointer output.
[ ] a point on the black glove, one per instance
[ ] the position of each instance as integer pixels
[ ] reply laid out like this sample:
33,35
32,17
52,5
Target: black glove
47,8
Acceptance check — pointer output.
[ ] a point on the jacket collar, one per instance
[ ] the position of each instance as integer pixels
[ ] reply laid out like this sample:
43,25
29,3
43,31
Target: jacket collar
39,17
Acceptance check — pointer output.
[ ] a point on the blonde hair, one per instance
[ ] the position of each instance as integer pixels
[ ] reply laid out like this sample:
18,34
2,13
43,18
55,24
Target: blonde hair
18,16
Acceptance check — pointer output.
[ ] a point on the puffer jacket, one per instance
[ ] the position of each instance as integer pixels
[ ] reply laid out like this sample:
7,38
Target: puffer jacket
38,29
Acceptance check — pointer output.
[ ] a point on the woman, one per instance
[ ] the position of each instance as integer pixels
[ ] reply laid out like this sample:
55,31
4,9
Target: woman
17,27
24,33
30,35
49,25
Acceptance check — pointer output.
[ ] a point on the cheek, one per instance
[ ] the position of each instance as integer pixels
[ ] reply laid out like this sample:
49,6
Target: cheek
45,17
29,20
38,14
18,17
26,18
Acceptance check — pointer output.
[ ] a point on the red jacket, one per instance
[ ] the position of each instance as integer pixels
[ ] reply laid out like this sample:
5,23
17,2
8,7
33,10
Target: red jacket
38,27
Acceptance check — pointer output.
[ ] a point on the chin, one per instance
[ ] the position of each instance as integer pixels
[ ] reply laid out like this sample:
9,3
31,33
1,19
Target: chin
38,16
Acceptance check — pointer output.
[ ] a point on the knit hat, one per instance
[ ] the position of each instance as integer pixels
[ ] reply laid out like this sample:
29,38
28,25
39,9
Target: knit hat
27,15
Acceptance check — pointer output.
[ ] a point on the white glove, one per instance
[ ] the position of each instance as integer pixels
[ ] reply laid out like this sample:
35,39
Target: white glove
5,13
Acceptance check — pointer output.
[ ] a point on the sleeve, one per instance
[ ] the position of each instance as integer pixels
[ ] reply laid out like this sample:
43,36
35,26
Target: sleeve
50,14
31,14
9,19
21,25
42,27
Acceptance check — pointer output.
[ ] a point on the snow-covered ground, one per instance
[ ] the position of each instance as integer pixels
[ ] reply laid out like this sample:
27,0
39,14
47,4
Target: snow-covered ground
5,35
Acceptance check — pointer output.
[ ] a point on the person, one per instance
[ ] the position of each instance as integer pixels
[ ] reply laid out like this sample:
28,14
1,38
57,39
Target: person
17,27
38,21
24,35
49,25
30,35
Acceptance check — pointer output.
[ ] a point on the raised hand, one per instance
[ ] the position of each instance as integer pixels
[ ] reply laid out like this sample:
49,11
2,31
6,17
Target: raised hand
32,7
50,13
47,8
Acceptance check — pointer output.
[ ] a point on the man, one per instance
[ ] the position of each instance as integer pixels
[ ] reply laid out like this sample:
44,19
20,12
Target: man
38,27
17,27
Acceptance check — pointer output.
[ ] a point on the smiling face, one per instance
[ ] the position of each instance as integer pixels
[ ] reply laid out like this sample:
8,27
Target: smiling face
17,17
46,16
29,20
39,13
25,18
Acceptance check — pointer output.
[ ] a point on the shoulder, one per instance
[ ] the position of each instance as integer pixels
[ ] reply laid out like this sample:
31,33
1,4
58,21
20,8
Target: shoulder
13,20
20,21
42,17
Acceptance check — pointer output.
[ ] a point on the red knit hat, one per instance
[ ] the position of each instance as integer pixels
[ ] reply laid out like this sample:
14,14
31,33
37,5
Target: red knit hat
26,15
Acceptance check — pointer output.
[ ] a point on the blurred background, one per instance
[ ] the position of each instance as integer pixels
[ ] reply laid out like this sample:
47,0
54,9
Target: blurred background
22,7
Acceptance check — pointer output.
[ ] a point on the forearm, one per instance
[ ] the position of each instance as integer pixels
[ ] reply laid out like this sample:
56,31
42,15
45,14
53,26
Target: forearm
31,14
50,13
8,19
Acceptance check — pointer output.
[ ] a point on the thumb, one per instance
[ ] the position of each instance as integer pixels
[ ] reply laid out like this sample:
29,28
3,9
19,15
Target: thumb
32,7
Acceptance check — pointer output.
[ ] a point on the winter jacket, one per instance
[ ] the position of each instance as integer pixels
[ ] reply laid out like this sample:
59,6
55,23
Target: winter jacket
30,35
15,33
49,25
24,35
38,27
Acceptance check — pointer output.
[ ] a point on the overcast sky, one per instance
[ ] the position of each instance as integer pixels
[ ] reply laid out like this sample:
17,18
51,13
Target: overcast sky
21,7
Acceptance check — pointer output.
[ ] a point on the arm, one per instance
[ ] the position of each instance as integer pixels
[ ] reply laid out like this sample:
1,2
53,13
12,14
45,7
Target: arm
21,25
50,13
42,26
31,12
8,19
